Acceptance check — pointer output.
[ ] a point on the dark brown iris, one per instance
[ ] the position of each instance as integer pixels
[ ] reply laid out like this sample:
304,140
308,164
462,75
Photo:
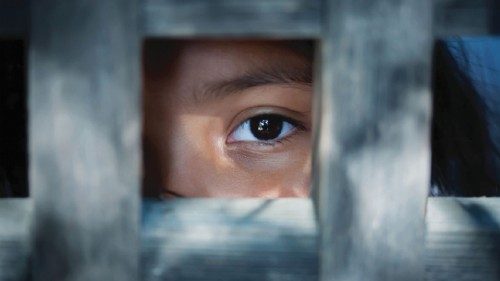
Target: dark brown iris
267,126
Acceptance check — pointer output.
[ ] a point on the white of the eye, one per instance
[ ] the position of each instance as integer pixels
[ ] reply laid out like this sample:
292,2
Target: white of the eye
244,132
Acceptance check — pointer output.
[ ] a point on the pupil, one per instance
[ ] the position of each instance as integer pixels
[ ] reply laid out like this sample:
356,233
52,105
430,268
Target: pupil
266,127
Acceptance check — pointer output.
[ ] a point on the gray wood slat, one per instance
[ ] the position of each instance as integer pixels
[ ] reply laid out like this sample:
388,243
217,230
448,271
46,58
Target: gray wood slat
232,18
262,18
372,150
253,239
84,139
15,248
248,239
463,239
465,17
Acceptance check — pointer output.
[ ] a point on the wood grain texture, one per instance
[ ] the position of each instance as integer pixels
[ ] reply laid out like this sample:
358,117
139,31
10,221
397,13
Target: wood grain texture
254,239
15,248
463,239
263,18
232,18
372,150
84,139
248,239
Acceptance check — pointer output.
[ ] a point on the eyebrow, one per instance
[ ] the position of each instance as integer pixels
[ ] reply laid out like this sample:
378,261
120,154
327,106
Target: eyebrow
277,75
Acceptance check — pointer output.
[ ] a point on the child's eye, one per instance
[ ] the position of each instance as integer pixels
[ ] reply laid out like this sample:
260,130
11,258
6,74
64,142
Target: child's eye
263,128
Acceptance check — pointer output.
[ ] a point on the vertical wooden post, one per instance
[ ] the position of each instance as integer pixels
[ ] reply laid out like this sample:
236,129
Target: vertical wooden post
372,151
84,143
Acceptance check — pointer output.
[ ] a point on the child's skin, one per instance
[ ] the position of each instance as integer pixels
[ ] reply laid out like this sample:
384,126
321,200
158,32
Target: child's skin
203,136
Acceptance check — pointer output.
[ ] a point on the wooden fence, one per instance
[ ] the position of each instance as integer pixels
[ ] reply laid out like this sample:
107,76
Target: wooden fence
371,161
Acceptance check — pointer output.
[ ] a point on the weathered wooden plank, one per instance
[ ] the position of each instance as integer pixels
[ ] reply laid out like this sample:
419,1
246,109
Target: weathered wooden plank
84,139
270,240
13,18
232,18
248,239
372,148
463,239
465,17
15,248
263,18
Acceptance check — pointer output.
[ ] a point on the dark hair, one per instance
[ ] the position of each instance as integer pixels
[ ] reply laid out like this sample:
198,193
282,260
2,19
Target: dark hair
463,144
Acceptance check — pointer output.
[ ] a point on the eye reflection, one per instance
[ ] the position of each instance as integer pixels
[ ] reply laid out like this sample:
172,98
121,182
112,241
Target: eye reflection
264,128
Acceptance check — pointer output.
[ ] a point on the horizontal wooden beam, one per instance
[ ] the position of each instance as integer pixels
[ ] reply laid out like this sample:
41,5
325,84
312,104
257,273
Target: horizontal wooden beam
15,240
261,18
255,239
463,239
465,17
249,239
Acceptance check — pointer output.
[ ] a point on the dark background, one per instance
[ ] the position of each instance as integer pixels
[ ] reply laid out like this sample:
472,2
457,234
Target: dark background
13,121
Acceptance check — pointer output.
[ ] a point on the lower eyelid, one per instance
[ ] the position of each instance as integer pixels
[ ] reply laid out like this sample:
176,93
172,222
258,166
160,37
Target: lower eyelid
267,146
